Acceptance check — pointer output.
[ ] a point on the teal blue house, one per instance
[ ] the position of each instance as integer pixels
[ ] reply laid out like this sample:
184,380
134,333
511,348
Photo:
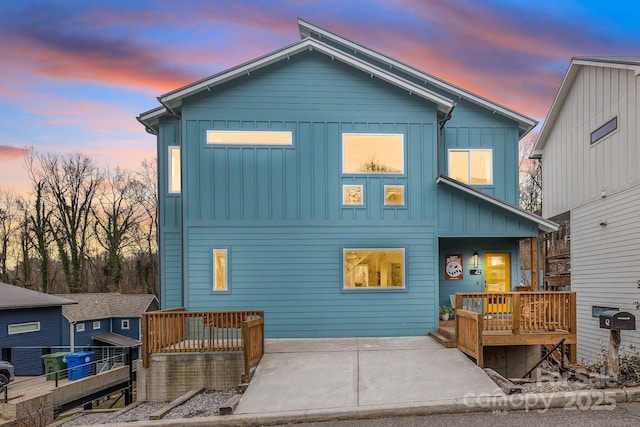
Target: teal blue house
341,191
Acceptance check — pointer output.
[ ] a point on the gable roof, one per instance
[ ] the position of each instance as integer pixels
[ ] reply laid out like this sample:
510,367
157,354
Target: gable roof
14,297
172,101
525,123
543,224
575,66
104,306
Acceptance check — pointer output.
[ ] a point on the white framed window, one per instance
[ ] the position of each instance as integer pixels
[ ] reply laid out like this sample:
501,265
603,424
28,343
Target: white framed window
174,169
471,166
353,194
124,324
79,327
243,137
220,278
372,153
374,268
23,328
96,325
394,195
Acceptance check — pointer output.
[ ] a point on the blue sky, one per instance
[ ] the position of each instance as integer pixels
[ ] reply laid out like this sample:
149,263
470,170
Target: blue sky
75,74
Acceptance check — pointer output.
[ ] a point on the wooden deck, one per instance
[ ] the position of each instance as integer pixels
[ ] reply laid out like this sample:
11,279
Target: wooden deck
179,331
514,318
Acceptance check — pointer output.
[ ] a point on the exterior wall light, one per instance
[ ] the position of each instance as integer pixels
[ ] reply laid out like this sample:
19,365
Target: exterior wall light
475,260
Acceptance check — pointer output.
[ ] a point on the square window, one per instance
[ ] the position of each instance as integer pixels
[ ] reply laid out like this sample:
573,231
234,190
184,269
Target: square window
369,153
220,270
374,268
473,167
80,327
352,195
96,325
394,195
124,324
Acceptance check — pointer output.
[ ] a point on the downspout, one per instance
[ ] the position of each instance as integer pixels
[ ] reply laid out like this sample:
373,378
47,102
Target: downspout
178,117
72,338
441,123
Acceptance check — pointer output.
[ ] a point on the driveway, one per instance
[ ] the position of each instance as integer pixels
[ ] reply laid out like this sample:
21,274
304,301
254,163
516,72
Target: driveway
324,373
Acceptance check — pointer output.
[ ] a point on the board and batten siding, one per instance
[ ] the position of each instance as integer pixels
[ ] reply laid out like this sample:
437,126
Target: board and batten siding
169,245
605,265
575,171
294,274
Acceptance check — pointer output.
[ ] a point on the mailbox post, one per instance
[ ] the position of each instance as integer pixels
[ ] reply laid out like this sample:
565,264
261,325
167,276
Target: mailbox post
616,321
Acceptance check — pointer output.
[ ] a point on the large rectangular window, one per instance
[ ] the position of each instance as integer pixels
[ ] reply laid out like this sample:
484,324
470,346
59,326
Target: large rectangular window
22,328
471,166
373,268
174,169
372,153
243,137
220,270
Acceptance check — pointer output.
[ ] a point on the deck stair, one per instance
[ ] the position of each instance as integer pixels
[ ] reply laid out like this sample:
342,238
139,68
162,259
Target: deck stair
446,333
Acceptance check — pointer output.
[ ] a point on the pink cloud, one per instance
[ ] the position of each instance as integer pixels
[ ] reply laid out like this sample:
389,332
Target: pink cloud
9,152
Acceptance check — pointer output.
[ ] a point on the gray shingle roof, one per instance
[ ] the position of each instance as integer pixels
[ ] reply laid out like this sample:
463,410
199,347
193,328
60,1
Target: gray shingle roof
104,306
13,297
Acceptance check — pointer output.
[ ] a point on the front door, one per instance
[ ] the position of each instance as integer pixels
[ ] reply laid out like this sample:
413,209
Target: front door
497,278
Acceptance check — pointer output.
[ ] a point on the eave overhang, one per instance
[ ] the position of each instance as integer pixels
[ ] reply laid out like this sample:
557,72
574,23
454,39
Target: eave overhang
543,224
173,100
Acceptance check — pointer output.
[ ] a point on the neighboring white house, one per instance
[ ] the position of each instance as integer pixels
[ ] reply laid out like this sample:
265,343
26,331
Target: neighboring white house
591,175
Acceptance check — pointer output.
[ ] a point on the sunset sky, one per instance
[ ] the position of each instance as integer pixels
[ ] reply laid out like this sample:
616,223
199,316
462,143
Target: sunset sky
75,74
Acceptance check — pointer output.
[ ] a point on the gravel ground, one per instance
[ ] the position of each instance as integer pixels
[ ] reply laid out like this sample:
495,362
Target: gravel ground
554,386
201,405
85,419
138,413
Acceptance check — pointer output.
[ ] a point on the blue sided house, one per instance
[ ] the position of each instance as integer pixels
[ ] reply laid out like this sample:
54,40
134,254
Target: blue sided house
30,326
341,191
105,320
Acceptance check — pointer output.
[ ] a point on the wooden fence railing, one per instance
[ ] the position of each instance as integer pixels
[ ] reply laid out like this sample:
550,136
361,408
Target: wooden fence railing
469,334
514,318
522,311
179,331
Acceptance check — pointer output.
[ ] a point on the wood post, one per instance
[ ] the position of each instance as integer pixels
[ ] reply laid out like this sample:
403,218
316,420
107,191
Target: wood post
613,354
534,262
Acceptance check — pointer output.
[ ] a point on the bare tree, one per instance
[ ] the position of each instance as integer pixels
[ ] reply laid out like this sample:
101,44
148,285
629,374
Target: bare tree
9,225
70,182
530,176
116,213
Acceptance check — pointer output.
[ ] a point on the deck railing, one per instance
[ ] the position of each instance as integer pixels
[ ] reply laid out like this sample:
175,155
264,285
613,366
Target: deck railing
514,318
522,311
179,331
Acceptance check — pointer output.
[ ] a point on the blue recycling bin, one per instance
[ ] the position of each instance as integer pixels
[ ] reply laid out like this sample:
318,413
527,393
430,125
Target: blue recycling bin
79,364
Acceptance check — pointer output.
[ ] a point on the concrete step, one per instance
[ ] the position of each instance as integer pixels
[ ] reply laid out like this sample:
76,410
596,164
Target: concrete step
447,342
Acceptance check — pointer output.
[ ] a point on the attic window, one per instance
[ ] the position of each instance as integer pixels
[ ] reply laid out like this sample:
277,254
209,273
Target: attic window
232,137
604,130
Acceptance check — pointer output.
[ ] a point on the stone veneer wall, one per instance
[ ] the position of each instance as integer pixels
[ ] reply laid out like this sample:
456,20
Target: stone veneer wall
171,375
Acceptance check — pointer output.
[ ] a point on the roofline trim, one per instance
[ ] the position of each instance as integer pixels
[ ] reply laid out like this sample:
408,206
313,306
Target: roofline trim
528,123
444,104
543,223
572,71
